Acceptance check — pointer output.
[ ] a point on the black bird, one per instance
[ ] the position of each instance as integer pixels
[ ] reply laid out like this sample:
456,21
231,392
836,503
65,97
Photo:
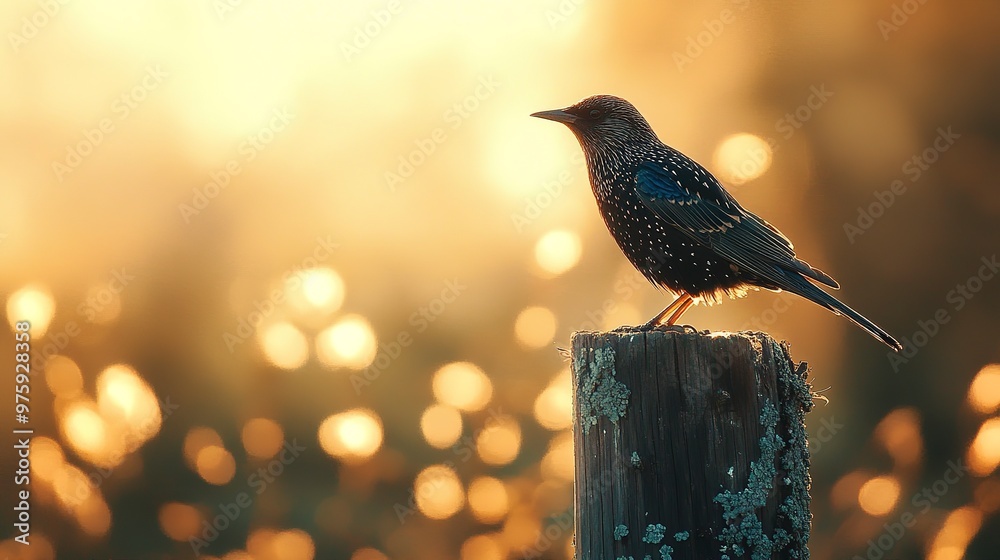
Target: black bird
678,225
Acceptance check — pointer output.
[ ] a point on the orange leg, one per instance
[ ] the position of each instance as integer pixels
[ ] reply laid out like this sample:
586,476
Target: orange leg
673,311
676,315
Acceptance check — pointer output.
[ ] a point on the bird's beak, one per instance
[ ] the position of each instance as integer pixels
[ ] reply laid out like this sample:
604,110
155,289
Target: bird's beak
557,115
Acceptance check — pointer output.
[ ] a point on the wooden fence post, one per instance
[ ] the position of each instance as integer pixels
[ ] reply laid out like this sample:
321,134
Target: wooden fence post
689,446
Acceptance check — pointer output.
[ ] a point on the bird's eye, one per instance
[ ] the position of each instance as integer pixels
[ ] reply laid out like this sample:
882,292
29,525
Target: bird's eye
595,113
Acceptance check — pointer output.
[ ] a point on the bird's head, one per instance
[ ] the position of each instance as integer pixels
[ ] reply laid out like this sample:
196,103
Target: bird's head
603,122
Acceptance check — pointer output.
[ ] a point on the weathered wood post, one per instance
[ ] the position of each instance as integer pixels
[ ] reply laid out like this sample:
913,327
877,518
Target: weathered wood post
689,446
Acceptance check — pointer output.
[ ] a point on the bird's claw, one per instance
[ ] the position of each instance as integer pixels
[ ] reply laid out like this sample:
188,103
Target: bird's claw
649,327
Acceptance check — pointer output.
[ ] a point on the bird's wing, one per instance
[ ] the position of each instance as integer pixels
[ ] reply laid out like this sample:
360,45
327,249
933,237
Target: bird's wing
694,202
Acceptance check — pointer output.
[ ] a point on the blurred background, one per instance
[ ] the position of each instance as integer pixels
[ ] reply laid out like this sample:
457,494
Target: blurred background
297,272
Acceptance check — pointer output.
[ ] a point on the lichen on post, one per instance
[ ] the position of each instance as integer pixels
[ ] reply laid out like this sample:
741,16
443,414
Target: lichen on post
689,445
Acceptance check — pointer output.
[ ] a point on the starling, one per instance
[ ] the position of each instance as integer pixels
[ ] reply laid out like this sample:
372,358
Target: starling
678,225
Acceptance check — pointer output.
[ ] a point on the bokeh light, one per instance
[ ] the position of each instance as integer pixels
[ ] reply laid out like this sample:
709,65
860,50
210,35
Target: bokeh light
554,405
535,327
368,554
558,251
984,453
521,528
195,440
488,499
462,385
482,547
94,516
441,425
127,400
180,522
315,291
87,433
878,496
32,303
438,492
63,377
987,495
262,437
284,345
558,460
352,436
349,343
215,465
899,432
741,158
499,442
958,529
47,458
984,392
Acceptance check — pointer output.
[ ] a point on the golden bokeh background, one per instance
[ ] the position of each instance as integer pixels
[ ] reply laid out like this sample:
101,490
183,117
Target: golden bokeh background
297,271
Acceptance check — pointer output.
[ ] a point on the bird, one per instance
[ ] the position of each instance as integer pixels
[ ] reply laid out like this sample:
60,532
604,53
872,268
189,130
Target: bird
677,224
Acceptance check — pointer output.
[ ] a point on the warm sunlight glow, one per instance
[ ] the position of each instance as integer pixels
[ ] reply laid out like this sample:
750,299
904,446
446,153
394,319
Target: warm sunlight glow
349,343
34,304
354,435
554,405
488,499
441,425
284,345
878,495
462,385
741,158
499,442
558,251
984,453
438,492
535,327
984,392
262,437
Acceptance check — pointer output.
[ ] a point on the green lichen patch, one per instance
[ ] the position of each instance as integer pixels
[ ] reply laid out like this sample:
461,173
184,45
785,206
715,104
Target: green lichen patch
666,552
654,533
636,461
599,393
682,536
739,509
621,532
783,460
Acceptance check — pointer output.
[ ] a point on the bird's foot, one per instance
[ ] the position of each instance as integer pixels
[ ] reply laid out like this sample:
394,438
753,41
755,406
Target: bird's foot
648,326
651,326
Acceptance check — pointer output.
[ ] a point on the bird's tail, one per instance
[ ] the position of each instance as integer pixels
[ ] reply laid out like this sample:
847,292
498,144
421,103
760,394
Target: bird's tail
811,292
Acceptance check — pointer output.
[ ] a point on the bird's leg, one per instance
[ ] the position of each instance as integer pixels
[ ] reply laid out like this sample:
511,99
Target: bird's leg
673,311
676,315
